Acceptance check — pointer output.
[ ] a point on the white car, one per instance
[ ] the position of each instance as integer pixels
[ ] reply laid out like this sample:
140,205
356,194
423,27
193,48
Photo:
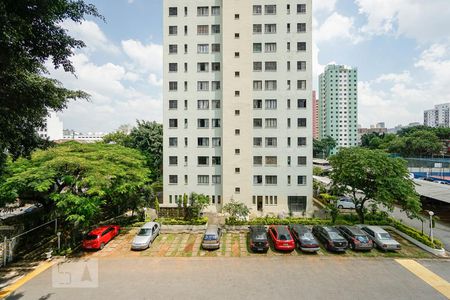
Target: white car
345,203
146,236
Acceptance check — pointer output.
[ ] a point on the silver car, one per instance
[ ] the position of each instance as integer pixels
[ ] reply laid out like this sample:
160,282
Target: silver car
146,236
381,238
211,239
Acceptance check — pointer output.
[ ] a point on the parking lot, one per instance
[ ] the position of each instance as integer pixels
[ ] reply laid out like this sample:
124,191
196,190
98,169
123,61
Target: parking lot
233,244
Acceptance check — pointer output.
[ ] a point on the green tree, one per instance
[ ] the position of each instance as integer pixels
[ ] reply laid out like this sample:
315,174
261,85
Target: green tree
198,202
322,148
237,210
365,175
81,182
331,206
31,34
118,138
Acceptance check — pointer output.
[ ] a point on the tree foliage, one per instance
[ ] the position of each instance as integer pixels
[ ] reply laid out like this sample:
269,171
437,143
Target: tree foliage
322,148
79,181
197,203
365,175
31,34
237,210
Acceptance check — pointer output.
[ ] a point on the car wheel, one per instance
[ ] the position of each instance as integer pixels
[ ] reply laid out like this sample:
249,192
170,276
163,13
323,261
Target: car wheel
340,207
102,245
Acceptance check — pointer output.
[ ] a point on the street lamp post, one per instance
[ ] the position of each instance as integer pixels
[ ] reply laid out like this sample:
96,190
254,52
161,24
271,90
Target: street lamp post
431,224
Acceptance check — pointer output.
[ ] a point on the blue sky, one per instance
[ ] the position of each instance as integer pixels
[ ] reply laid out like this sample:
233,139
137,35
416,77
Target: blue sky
401,49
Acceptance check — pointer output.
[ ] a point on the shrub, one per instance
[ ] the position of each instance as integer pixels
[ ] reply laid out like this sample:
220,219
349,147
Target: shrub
171,221
437,244
284,221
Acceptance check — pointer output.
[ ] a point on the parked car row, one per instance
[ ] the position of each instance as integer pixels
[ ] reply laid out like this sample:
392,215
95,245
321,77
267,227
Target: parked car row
284,238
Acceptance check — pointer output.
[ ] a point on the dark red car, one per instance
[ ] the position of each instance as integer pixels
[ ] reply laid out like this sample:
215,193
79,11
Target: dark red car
99,237
281,237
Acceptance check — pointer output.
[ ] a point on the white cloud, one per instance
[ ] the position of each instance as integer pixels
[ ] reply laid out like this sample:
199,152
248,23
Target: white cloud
421,20
395,77
324,5
146,58
153,80
336,27
92,35
130,1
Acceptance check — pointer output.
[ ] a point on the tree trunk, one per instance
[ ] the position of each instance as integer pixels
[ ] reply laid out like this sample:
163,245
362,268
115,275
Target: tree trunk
360,212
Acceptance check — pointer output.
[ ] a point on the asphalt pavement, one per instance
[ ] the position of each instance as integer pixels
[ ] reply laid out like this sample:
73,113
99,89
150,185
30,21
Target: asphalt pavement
234,278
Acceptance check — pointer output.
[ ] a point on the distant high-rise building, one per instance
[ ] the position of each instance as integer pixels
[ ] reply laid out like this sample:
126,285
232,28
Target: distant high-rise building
338,105
52,129
237,103
380,125
315,109
437,117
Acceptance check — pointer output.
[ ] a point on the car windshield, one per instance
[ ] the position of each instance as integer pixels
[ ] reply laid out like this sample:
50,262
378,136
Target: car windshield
307,236
260,236
209,237
91,237
362,238
145,232
384,236
334,235
284,237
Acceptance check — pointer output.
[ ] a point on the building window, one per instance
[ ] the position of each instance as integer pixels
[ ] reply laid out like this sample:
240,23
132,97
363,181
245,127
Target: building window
185,30
173,142
203,123
270,85
202,67
271,104
215,123
173,123
202,86
257,142
203,104
237,74
215,48
271,141
237,112
271,179
203,160
270,9
301,122
301,160
173,104
257,28
202,48
301,66
301,180
288,27
237,190
301,141
301,8
215,10
215,29
257,161
297,203
173,160
173,49
257,47
257,9
271,160
173,179
257,104
301,84
257,179
270,28
257,123
215,160
236,54
215,104
173,11
270,66
289,161
237,93
237,151
216,142
271,123
301,27
215,85
288,46
203,142
237,170
257,84
202,179
173,67
203,11
301,46
236,35
257,67
215,66
301,103
173,30
236,16
202,30
216,179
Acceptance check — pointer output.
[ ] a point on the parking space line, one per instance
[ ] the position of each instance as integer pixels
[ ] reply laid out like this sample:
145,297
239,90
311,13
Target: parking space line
435,281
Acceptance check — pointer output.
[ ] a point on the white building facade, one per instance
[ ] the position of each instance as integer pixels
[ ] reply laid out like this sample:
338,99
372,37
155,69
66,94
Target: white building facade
237,103
437,117
338,105
52,129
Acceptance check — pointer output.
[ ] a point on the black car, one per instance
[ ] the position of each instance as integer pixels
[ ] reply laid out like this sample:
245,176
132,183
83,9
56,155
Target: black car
304,238
330,238
357,239
258,239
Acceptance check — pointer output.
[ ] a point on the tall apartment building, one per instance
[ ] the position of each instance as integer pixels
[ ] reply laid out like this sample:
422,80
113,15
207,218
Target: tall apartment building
437,117
237,103
338,105
52,129
315,115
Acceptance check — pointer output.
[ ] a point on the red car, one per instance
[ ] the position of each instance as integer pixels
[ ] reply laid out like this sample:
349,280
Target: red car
99,237
281,237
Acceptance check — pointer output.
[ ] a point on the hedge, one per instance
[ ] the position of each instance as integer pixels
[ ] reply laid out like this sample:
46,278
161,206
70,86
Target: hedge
285,221
437,244
172,221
